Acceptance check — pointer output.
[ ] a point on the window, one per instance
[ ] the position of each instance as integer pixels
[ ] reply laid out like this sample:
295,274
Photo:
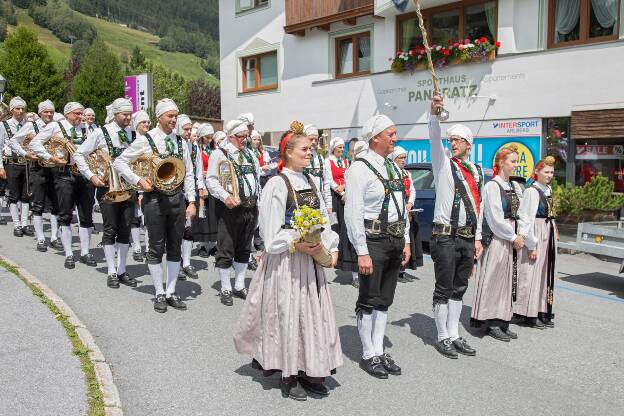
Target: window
246,5
260,72
574,22
353,55
467,19
558,145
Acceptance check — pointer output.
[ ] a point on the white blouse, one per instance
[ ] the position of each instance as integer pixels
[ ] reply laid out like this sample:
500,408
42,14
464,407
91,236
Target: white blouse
492,210
527,211
272,214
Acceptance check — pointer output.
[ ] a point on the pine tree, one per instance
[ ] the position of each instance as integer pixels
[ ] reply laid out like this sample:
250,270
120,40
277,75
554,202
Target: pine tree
29,70
99,80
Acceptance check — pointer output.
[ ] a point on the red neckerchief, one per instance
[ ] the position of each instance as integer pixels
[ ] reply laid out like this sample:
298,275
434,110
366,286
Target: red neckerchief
472,183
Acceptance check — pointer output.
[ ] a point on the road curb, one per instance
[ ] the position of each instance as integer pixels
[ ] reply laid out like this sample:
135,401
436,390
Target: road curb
104,375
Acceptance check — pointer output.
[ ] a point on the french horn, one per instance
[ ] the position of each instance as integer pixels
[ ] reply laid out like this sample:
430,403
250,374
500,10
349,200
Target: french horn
165,174
60,147
101,165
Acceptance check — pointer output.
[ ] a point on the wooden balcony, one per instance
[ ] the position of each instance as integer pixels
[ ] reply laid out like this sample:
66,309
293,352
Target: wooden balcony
306,14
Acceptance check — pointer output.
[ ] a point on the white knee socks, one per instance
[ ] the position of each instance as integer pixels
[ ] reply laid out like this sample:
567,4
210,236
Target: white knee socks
173,267
365,329
85,240
122,257
53,227
354,276
440,314
66,239
239,275
109,254
156,272
187,247
454,312
226,284
38,224
380,318
14,215
136,239
24,214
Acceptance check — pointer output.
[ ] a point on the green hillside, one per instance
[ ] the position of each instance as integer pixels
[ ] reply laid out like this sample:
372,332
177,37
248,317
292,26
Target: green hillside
121,40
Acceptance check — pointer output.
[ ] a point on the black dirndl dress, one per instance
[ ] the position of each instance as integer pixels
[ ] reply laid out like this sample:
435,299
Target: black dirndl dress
205,229
416,259
347,257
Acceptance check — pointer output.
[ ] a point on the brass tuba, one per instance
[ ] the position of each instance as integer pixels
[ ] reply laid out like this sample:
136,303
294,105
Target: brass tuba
227,178
165,174
60,147
101,165
5,113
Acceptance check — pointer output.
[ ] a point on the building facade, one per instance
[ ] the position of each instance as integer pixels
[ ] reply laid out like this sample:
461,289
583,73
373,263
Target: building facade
554,86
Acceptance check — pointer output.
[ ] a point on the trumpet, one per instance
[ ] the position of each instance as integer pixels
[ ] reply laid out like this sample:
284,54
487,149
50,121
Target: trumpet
227,178
101,165
165,174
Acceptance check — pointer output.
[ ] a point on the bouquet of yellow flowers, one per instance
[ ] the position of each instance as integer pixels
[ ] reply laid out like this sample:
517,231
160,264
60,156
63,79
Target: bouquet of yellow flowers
309,222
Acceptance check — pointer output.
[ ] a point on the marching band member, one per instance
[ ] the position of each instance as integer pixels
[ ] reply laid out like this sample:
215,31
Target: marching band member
140,126
42,184
399,156
458,184
377,226
3,162
496,274
219,138
205,225
318,169
347,258
185,130
113,138
287,324
16,170
536,276
164,214
89,119
236,217
71,190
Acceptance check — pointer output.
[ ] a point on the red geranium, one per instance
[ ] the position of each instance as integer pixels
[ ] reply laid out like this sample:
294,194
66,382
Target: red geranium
446,53
482,39
498,44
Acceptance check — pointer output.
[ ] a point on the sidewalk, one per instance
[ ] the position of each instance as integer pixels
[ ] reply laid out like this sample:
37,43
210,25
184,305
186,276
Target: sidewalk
40,374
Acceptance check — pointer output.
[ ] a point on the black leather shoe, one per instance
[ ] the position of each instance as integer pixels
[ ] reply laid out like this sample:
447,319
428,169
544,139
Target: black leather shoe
69,262
56,244
18,232
226,298
175,302
316,388
29,230
137,256
537,324
181,274
462,347
446,348
402,278
127,280
549,323
213,251
42,246
291,388
160,304
88,260
3,220
497,333
374,367
389,364
203,252
355,283
112,281
253,264
510,333
240,293
189,271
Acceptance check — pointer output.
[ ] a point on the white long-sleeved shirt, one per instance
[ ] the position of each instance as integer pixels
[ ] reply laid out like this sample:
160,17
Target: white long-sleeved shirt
51,130
266,157
273,212
443,178
528,211
198,167
364,196
96,140
15,143
5,146
492,210
142,147
212,177
316,163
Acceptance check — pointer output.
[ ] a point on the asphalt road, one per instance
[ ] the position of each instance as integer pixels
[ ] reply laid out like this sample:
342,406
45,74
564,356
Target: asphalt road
184,363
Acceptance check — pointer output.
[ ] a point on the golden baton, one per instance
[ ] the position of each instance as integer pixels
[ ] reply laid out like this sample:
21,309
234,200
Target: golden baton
443,115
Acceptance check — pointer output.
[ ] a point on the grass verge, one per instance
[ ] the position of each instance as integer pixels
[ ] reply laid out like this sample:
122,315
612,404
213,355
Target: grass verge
94,395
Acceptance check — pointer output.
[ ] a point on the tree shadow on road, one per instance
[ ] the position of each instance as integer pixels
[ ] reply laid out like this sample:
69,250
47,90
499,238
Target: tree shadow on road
598,280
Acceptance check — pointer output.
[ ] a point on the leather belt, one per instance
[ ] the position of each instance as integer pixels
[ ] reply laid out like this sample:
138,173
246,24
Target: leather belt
447,229
17,161
376,228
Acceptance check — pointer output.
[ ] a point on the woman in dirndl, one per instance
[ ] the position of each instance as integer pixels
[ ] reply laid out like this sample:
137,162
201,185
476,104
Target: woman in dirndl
536,277
287,324
497,269
399,156
204,225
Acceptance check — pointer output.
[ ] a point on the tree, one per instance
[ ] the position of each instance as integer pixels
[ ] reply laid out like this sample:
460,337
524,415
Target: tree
137,60
203,100
99,80
3,29
29,70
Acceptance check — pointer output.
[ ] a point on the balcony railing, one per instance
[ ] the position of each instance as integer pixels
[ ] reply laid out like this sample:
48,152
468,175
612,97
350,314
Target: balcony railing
306,14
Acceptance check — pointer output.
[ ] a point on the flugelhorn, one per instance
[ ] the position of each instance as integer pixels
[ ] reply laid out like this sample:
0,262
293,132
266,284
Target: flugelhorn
227,178
101,165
